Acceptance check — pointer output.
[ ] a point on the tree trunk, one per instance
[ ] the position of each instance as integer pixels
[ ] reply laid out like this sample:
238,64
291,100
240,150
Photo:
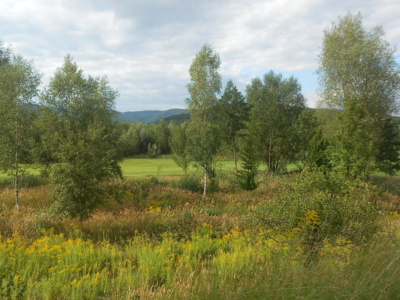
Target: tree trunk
270,154
16,188
16,165
236,160
205,184
16,179
235,156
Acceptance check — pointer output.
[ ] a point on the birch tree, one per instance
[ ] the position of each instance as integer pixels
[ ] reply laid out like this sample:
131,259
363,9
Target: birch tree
359,75
19,82
80,130
276,104
204,88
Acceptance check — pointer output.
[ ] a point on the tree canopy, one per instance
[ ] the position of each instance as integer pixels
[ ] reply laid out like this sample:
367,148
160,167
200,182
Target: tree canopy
276,104
358,73
204,87
79,129
19,82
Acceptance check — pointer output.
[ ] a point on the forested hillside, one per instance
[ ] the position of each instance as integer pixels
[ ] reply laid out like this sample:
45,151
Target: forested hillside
148,116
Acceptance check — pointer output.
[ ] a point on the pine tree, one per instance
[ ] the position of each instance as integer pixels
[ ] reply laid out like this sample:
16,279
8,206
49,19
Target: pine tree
249,167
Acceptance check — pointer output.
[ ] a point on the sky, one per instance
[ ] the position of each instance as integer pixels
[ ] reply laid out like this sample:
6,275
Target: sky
146,47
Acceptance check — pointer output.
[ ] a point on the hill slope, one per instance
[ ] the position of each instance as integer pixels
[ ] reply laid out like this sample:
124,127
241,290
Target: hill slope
148,116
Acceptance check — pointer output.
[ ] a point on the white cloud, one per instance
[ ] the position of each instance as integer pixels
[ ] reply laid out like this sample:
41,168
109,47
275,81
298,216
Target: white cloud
146,47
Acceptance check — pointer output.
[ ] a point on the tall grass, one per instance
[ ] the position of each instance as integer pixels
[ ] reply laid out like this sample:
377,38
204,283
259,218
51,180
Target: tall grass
238,265
151,239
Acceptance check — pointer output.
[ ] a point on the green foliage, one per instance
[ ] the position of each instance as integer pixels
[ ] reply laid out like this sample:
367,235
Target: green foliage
358,65
352,150
205,84
19,83
388,157
320,207
81,136
317,152
136,138
306,127
25,181
130,141
204,145
276,104
162,135
153,150
249,167
204,132
179,143
358,72
233,113
5,54
190,182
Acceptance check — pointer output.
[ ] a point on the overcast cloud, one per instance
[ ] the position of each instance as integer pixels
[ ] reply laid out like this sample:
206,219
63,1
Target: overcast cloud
146,47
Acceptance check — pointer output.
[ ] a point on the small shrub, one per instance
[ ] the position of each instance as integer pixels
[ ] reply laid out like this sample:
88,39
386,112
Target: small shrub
25,181
319,207
189,183
247,175
129,191
211,211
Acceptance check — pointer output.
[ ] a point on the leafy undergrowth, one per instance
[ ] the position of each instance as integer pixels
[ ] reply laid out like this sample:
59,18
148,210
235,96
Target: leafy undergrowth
152,240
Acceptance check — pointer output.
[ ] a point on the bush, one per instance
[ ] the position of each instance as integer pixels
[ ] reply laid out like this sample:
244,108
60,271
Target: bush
318,208
25,181
190,183
132,190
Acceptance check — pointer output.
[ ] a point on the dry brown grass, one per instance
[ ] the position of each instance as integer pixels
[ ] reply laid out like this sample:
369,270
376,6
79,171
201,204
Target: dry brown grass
132,207
143,207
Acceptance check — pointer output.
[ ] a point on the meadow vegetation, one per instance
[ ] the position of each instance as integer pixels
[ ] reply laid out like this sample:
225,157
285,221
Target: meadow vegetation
156,238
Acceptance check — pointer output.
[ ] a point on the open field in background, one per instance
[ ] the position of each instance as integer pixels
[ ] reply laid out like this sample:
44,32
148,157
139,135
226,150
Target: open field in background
146,167
29,170
143,167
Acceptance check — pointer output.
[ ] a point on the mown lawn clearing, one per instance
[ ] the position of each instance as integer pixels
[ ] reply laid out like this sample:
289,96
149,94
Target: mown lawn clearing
142,167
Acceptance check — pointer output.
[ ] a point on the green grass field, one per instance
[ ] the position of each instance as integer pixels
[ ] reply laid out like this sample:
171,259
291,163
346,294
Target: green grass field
142,167
146,167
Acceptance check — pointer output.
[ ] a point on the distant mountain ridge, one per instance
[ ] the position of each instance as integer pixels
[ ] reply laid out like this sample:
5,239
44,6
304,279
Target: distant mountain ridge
149,116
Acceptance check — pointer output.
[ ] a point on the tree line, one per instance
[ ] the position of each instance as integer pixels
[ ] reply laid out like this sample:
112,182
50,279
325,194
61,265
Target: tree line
359,81
75,137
